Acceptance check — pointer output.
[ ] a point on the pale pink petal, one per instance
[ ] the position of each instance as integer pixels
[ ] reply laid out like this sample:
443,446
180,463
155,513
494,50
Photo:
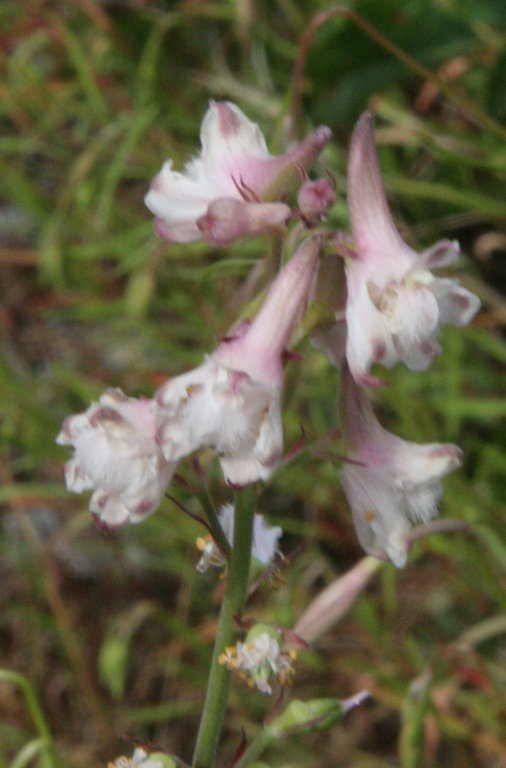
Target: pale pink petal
234,163
117,455
227,219
391,484
369,339
265,536
413,318
395,305
379,512
215,407
375,234
234,152
180,232
259,351
441,254
457,306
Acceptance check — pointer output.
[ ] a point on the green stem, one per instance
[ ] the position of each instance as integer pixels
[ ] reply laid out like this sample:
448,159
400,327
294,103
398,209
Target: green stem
233,601
255,749
45,742
207,505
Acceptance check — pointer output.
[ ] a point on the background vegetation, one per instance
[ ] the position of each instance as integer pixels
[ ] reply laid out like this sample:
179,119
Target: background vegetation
113,632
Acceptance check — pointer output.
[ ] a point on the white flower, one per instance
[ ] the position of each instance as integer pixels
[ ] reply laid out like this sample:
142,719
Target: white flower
391,484
234,165
231,402
395,305
116,455
264,546
140,759
225,409
259,658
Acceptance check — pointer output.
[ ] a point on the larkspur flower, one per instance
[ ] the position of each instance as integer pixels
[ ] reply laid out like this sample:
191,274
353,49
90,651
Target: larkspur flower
395,304
235,188
391,484
260,658
231,402
264,546
117,456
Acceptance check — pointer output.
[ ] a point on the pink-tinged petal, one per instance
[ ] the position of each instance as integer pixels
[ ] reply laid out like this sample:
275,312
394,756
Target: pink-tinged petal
234,152
181,232
413,318
110,510
75,480
228,219
265,540
264,545
441,254
178,200
397,317
259,351
117,455
230,403
333,602
377,509
260,460
391,484
230,142
368,338
219,408
375,234
457,306
278,175
234,163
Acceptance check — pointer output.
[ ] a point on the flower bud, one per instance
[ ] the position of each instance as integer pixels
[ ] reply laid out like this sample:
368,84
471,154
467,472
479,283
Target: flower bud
314,715
315,198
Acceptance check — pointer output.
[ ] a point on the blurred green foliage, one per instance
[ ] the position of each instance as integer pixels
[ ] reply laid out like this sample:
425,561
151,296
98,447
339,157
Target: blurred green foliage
114,632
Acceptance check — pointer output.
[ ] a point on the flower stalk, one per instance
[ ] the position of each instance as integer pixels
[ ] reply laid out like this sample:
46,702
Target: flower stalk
233,602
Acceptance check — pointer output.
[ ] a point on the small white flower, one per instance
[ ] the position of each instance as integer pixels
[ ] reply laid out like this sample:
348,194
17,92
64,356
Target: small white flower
231,402
395,304
259,659
264,547
235,170
116,455
391,484
140,759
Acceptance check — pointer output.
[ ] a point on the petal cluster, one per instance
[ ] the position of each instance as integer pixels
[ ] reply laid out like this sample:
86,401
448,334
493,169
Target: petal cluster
259,659
116,455
395,305
235,187
391,484
214,406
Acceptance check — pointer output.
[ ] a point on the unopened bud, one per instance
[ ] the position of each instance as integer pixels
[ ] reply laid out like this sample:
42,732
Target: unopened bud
314,715
315,198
